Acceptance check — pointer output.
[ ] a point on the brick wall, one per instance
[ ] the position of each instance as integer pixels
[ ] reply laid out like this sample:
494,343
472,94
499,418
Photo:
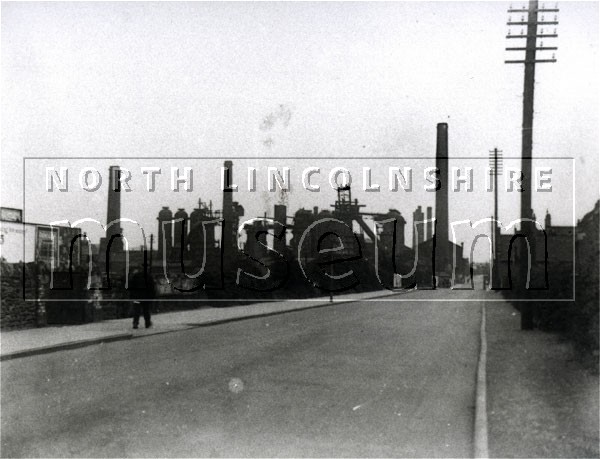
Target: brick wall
15,312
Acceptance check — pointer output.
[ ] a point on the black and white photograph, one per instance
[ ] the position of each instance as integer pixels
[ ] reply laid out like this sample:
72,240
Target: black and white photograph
299,229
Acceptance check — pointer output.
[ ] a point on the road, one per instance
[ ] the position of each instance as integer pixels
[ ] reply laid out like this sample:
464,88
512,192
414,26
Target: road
355,379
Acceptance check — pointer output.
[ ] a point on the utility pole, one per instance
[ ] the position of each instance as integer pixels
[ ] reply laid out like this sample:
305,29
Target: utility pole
151,250
531,47
495,170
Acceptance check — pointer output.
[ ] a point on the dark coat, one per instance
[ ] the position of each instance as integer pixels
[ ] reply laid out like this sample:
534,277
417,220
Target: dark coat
141,287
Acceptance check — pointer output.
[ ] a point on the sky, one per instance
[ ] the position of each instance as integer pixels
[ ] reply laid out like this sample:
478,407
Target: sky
326,81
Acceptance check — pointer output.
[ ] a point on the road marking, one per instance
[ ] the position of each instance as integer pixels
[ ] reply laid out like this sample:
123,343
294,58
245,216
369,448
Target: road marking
481,427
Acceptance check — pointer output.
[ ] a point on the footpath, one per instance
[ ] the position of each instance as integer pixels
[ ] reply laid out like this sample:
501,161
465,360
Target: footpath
542,401
34,341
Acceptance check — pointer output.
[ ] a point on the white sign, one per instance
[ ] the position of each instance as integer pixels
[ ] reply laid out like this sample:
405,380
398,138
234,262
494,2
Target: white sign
17,242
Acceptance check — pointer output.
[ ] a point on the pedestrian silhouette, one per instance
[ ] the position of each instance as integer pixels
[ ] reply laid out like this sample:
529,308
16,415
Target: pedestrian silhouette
141,292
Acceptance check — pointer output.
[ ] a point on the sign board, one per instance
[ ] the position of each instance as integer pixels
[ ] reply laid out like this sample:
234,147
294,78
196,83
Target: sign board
11,215
17,242
28,242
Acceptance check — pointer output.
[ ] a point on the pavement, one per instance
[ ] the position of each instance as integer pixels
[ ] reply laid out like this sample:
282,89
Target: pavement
34,341
542,401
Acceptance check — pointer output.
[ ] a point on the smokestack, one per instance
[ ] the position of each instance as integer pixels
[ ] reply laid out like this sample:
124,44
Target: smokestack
165,215
441,198
228,239
430,223
113,211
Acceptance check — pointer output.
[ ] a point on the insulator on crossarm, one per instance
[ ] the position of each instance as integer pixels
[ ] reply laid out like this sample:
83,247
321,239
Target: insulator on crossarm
542,31
553,56
521,31
541,44
509,32
554,31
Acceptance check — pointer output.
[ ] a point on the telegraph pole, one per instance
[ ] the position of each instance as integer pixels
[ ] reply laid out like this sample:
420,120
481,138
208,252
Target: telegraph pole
151,250
531,47
496,170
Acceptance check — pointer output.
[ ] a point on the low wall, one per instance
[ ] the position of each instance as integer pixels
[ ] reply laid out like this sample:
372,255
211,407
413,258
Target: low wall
15,312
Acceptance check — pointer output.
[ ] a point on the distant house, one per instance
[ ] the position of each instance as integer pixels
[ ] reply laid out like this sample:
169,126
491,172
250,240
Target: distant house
552,251
587,251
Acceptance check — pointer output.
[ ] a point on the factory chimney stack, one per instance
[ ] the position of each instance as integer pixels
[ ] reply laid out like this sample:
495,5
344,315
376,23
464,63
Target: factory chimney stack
441,199
113,211
228,236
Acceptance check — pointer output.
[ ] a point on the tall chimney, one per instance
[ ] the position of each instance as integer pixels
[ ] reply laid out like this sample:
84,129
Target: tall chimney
165,215
228,239
441,199
113,211
429,223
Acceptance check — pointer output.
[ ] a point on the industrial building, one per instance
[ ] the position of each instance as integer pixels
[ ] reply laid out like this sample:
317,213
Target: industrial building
286,255
206,241
552,252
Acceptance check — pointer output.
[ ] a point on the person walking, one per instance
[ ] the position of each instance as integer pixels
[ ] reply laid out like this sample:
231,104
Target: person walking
141,291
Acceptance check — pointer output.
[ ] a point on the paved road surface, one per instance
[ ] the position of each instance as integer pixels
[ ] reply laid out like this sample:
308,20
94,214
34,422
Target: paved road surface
358,379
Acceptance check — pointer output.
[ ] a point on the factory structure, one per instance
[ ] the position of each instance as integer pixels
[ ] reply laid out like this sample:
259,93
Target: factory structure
208,237
206,240
435,252
204,254
201,253
552,251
